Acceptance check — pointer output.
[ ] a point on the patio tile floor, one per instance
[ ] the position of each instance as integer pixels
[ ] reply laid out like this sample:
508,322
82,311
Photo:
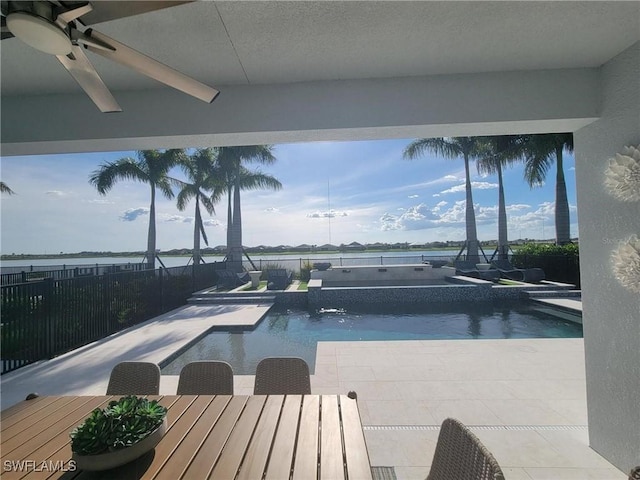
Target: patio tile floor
525,398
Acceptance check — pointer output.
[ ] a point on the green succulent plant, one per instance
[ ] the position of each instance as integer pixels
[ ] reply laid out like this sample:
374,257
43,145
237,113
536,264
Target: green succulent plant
121,424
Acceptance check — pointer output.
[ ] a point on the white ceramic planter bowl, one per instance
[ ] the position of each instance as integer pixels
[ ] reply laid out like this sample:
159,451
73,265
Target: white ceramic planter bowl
106,461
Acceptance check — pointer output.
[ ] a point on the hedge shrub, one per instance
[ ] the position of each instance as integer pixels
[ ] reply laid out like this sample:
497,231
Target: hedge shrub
561,263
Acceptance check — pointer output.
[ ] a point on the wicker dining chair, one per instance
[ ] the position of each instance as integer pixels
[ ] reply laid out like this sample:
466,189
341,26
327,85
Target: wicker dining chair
460,455
206,378
281,376
134,378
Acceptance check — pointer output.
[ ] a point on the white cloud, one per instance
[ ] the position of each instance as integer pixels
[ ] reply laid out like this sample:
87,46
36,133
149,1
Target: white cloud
100,201
414,196
272,210
132,214
327,214
517,207
211,222
55,193
546,208
474,185
417,217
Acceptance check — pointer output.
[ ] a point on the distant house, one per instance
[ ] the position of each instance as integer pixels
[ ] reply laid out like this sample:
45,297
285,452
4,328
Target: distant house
353,247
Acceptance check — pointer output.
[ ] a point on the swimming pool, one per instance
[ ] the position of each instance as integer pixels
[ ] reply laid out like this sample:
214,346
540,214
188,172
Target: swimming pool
295,332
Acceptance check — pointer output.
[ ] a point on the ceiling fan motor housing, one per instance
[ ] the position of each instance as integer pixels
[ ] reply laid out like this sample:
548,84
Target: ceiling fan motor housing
34,23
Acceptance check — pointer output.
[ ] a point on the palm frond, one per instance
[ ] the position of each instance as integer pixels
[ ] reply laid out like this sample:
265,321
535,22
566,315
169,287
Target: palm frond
207,203
204,234
4,188
164,185
540,153
256,180
110,172
184,196
256,153
500,149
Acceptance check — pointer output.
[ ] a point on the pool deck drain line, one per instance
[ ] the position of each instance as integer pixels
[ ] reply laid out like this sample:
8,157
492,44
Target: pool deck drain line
476,427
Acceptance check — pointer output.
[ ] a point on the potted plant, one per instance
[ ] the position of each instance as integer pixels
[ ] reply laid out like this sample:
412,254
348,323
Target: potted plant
123,431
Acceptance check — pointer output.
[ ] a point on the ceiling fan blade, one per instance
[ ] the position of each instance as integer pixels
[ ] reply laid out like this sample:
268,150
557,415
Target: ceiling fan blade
151,68
83,72
5,30
104,11
67,16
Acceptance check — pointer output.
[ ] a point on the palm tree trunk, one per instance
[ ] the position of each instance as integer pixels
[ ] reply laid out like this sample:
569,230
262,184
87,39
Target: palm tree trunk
470,217
235,252
503,241
563,235
229,221
151,236
196,234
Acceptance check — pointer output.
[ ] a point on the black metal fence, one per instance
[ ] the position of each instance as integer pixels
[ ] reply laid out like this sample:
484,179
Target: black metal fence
48,317
59,272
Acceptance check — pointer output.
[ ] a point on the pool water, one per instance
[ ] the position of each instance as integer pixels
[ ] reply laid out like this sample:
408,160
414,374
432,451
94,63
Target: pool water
295,332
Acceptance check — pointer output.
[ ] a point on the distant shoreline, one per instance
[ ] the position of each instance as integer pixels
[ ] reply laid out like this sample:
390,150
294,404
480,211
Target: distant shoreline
140,255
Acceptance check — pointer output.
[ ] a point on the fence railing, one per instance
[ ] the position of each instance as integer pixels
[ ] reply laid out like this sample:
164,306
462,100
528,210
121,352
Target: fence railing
559,268
48,317
13,275
297,264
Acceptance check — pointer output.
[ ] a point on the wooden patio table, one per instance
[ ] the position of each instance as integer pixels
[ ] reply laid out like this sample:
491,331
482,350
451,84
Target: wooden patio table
208,436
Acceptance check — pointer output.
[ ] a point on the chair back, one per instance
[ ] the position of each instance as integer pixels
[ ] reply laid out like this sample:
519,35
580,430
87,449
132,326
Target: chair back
503,265
460,455
206,378
464,265
282,376
134,378
277,273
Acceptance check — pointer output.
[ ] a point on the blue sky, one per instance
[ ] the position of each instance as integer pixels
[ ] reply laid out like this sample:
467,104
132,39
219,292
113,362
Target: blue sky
373,193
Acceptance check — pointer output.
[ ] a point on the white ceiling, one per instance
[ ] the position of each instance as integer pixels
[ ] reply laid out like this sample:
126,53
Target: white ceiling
267,42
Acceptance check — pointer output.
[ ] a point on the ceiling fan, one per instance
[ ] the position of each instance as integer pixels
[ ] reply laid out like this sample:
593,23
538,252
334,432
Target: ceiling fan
59,28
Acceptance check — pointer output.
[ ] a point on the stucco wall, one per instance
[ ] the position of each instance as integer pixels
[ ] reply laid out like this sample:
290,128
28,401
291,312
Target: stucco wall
611,313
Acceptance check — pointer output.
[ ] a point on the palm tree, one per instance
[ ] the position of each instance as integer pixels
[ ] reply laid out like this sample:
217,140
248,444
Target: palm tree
238,178
467,148
201,171
150,167
540,151
4,188
501,151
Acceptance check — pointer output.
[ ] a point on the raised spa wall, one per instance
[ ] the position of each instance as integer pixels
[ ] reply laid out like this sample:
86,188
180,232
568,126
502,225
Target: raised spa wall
381,275
450,289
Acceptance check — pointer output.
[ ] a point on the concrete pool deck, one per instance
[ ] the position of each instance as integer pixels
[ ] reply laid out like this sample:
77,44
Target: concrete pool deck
524,398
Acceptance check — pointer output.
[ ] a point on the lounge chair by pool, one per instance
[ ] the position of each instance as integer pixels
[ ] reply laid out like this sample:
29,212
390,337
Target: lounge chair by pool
528,275
229,279
469,269
278,279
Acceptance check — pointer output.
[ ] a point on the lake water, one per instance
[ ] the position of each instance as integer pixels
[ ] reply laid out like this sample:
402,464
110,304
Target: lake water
291,261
